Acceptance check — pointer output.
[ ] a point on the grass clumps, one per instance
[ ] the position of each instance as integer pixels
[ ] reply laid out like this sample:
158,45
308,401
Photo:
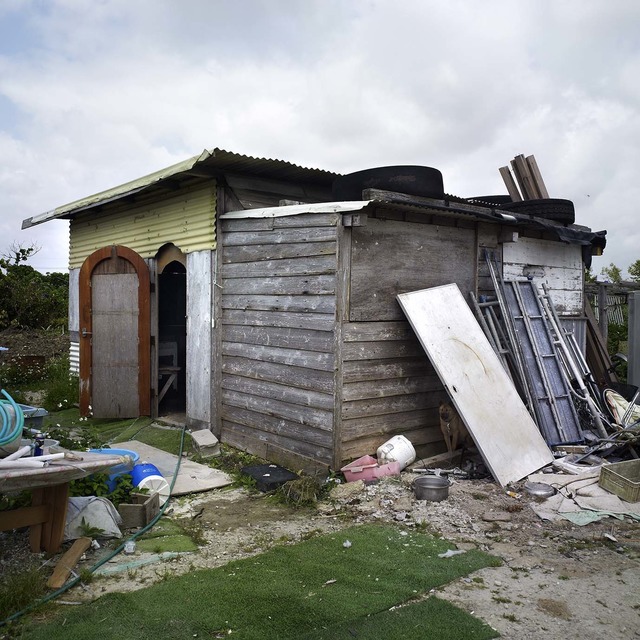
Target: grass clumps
302,492
19,588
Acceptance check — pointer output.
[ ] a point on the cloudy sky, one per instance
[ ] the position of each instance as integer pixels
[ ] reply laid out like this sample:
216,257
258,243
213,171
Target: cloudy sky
93,94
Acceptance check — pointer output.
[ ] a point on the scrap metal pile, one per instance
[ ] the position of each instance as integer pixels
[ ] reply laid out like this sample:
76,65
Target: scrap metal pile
542,356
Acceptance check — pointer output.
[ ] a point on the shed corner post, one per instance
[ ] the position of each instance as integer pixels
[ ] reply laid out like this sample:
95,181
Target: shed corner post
216,317
343,286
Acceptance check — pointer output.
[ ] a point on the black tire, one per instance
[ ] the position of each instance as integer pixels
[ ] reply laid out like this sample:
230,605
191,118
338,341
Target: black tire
408,179
494,200
554,209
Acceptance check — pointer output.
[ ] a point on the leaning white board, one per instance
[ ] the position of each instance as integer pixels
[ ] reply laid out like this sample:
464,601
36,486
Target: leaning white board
480,389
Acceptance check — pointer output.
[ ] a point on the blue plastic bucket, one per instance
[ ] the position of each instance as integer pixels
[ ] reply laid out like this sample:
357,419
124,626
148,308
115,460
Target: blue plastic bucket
148,476
141,471
119,469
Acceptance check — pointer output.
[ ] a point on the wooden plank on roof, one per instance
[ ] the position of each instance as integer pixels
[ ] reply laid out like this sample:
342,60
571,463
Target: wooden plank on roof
537,176
523,176
510,183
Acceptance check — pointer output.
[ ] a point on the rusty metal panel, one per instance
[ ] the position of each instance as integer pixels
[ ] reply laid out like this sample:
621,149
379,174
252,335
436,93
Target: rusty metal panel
187,219
115,345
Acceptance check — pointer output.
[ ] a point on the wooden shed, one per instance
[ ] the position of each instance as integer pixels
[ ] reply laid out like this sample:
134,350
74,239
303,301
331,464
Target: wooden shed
235,290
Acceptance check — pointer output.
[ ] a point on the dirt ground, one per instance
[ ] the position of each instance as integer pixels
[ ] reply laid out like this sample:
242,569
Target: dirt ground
556,581
44,344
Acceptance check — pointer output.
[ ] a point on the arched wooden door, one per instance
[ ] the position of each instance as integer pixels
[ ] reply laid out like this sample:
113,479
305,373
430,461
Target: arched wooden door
114,303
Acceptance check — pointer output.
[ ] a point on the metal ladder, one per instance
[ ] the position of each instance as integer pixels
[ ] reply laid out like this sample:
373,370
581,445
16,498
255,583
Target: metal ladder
556,414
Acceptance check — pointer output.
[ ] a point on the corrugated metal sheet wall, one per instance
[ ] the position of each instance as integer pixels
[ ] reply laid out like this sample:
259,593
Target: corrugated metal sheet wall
74,358
187,219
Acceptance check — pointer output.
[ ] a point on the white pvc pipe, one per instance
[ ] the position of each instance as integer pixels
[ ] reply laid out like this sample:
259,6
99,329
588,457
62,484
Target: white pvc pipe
51,456
23,463
23,451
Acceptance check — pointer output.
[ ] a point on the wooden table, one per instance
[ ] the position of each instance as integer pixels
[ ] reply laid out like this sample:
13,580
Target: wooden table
46,517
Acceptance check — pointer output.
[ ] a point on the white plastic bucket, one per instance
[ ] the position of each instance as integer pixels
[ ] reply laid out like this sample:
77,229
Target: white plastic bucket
398,449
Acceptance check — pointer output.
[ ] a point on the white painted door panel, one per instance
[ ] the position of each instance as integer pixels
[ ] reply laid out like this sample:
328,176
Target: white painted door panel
480,389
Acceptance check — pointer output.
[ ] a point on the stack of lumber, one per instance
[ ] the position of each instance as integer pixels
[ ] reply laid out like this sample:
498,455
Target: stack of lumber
528,183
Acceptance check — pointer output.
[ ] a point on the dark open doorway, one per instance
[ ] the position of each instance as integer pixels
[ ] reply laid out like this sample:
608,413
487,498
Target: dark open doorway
172,343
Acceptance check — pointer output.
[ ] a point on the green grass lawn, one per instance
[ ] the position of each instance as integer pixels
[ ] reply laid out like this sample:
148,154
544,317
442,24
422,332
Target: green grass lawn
96,433
316,589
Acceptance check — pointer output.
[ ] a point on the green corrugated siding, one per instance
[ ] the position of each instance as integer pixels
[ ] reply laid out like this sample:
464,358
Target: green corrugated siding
187,219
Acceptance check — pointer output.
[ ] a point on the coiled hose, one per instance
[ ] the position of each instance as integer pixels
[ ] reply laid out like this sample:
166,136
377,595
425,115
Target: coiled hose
11,419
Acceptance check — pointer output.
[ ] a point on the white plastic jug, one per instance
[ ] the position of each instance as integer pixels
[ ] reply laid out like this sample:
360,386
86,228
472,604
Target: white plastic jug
398,449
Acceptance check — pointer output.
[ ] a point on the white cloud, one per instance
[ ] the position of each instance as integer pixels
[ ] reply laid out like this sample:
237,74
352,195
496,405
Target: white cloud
95,98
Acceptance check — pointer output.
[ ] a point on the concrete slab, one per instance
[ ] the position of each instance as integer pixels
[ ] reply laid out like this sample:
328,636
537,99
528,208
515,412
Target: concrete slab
192,476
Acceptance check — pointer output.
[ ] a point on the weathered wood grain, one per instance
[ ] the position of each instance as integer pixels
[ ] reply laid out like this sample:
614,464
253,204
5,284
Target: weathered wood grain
393,404
308,416
308,220
310,303
266,252
318,462
311,234
390,424
277,426
391,387
303,378
406,257
308,359
315,321
557,265
299,266
377,331
287,286
381,350
299,398
362,370
301,339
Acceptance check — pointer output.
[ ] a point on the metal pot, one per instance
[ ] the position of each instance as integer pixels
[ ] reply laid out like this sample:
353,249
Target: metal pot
432,488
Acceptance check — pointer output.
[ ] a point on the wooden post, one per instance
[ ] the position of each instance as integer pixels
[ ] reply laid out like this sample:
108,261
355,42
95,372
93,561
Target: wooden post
603,319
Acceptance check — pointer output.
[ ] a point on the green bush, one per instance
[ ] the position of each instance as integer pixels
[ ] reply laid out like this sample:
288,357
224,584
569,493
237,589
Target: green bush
28,298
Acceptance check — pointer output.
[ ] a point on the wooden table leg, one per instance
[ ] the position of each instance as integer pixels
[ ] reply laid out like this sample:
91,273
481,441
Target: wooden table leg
59,501
48,534
35,530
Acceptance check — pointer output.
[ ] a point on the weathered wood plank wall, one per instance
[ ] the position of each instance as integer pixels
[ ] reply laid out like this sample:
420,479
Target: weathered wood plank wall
392,256
556,264
277,328
388,385
389,388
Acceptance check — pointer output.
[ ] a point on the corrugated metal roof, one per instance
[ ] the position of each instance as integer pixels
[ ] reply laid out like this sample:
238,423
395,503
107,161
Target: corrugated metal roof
207,164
